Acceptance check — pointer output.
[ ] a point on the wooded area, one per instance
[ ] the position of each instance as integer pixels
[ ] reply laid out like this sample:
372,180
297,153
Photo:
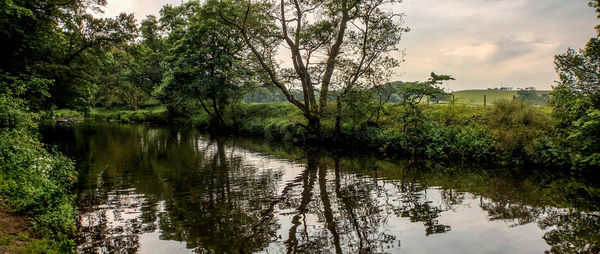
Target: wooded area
213,65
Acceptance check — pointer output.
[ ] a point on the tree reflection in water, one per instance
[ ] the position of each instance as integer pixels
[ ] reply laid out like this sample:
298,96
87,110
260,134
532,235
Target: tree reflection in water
177,191
220,208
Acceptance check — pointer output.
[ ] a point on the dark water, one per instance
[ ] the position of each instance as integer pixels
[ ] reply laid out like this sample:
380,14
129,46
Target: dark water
163,190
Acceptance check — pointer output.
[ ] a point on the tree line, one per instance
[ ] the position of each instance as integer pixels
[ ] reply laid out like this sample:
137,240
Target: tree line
215,55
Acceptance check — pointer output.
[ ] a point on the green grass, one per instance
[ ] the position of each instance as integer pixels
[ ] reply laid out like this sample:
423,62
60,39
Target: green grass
104,111
155,114
23,243
475,97
67,113
44,246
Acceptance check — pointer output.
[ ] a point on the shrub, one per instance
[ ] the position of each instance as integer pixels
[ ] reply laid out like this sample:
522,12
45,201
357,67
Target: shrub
517,126
33,181
36,183
13,115
458,142
550,154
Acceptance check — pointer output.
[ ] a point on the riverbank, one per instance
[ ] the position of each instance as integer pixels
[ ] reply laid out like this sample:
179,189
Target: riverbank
35,185
13,232
510,133
15,237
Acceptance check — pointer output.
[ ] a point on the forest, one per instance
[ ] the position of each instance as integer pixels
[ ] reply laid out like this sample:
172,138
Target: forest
213,65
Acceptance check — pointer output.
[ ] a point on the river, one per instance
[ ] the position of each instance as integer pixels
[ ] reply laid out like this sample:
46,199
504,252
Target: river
146,189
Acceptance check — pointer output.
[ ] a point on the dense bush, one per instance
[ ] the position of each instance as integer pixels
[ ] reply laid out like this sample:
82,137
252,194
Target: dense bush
550,154
517,128
33,181
578,117
14,116
458,142
431,140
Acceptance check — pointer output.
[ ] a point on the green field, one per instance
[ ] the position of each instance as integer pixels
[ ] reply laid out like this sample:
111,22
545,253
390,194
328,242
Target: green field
476,96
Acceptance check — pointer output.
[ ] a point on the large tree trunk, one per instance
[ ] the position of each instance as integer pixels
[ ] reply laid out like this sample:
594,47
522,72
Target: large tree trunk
134,102
218,115
313,130
338,117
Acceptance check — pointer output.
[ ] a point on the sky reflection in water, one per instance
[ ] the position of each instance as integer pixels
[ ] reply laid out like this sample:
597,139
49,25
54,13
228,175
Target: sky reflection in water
162,190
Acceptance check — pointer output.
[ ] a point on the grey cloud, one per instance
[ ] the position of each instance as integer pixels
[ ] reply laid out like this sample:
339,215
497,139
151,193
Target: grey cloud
511,48
509,40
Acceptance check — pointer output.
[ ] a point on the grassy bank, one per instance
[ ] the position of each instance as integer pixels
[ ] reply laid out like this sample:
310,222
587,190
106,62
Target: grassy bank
35,183
509,133
15,237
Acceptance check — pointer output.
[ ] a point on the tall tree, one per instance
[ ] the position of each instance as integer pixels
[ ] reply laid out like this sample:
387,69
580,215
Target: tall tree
76,71
208,62
149,65
576,100
319,36
58,41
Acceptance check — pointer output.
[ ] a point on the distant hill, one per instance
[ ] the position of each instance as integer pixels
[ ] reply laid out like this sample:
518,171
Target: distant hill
476,96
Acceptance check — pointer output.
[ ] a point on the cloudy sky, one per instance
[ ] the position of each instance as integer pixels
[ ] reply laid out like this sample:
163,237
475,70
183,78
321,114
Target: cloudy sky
482,43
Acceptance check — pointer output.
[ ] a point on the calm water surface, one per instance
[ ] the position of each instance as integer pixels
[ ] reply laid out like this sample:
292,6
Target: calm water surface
166,190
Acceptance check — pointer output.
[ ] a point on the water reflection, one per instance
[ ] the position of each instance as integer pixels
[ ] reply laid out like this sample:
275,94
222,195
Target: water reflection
160,190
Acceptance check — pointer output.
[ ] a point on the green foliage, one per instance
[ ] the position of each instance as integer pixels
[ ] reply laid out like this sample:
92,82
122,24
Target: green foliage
54,47
44,246
30,89
530,95
13,115
550,154
456,143
517,126
207,63
457,114
269,94
466,143
357,106
67,113
274,120
412,94
576,103
33,181
36,183
132,73
117,88
157,114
